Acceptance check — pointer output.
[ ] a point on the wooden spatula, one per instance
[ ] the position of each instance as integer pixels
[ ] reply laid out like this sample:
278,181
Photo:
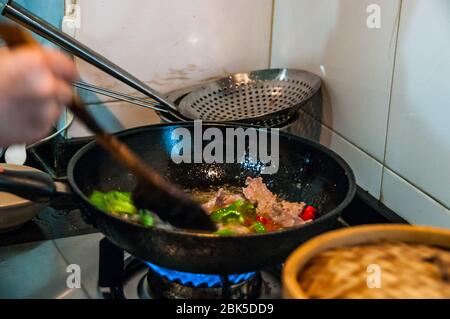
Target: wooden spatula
153,192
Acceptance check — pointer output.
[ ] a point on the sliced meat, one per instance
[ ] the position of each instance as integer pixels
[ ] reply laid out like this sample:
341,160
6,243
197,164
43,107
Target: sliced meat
284,213
258,193
292,209
221,200
287,214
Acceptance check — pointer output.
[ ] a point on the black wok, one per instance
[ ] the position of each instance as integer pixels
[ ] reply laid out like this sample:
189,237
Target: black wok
308,172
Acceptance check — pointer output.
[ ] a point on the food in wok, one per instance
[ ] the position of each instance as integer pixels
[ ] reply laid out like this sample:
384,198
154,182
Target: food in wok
251,209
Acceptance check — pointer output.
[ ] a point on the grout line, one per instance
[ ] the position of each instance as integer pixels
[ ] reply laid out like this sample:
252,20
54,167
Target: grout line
384,167
67,264
390,97
416,187
272,22
383,163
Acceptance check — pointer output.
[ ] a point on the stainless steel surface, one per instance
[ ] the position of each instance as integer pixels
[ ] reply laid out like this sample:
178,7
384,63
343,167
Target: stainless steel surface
69,118
120,96
39,270
35,270
283,122
19,14
180,93
254,95
83,251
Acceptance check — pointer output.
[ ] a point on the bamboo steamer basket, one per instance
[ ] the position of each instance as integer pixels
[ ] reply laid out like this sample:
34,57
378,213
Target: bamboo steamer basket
354,236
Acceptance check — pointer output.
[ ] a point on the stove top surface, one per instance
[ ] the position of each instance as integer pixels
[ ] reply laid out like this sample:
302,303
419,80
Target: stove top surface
46,270
44,257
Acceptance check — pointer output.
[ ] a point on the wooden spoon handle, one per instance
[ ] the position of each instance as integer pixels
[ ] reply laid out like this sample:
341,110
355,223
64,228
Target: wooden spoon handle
15,36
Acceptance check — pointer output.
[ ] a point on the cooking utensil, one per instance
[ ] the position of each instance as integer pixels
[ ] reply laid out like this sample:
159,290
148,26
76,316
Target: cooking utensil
265,98
152,191
14,210
308,172
249,97
280,121
353,236
119,96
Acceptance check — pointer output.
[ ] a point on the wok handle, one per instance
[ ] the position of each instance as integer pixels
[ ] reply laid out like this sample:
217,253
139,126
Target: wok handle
22,16
34,186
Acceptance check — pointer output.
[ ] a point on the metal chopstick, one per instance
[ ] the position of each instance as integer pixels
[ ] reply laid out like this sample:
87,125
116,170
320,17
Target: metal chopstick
84,84
120,96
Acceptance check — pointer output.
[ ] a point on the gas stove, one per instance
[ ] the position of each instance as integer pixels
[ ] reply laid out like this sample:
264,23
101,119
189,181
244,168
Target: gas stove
58,255
89,266
124,276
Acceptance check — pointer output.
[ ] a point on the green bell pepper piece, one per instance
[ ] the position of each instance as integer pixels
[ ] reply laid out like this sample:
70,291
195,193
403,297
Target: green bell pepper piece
146,218
114,202
259,228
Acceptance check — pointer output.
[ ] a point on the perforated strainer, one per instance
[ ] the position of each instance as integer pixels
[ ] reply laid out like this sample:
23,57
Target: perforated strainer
250,97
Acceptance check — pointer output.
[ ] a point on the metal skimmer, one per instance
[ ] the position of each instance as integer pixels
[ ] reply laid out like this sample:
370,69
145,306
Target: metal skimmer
251,97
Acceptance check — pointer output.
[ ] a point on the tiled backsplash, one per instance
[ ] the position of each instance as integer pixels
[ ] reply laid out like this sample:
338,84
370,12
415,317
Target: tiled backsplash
172,44
386,93
418,144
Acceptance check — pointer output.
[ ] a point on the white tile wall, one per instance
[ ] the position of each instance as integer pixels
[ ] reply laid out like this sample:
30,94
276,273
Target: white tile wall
402,124
412,204
171,43
331,38
418,146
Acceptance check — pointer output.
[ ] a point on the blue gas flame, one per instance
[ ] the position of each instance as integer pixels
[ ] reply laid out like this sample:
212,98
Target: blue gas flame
197,280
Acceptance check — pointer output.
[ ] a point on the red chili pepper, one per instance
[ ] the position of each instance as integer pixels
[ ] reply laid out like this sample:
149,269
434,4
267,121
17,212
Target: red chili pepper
262,219
309,213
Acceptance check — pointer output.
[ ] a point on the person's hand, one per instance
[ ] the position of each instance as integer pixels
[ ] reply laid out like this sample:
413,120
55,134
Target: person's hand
34,86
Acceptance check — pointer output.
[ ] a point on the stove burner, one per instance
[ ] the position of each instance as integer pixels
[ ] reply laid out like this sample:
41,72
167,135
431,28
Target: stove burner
172,284
150,281
198,280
